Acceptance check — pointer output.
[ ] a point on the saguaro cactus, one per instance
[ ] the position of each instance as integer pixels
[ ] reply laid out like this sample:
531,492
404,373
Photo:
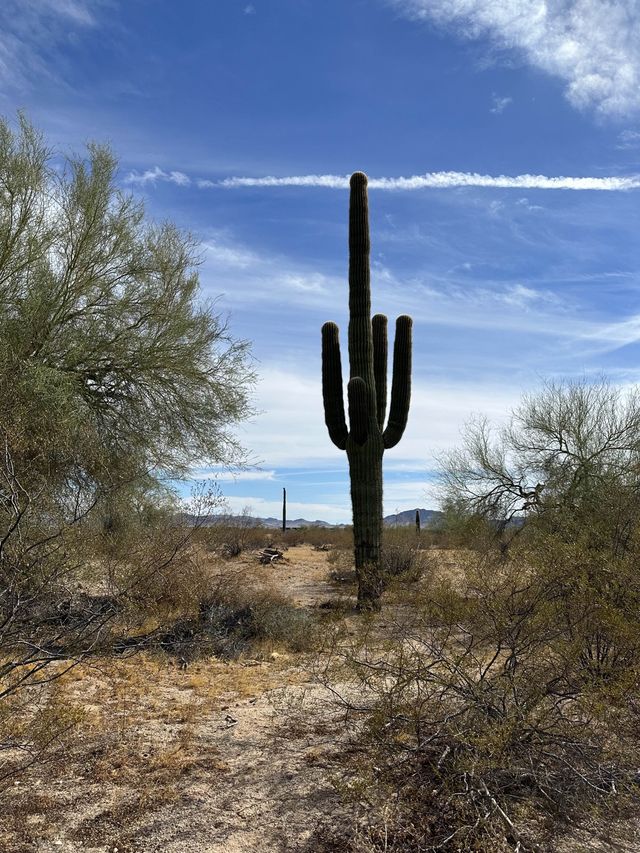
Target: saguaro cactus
367,438
284,510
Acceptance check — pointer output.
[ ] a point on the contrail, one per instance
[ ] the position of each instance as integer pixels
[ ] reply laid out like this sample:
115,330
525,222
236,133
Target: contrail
439,180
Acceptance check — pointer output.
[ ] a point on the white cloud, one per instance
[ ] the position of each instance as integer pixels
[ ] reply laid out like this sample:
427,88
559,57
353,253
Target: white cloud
522,296
399,496
526,204
291,431
611,336
334,513
222,252
254,277
31,32
593,46
460,302
500,104
222,476
152,176
444,180
429,180
452,300
249,9
628,139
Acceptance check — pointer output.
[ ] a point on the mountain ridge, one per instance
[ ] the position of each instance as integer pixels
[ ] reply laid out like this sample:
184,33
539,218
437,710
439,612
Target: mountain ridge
428,517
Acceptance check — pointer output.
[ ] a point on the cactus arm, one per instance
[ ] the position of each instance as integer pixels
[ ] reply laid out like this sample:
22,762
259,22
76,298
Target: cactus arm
332,393
401,383
379,326
360,333
359,409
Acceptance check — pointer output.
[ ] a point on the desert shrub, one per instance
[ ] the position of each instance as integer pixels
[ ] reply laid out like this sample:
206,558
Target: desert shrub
502,709
231,535
36,725
339,537
400,558
237,618
506,707
291,539
174,590
341,565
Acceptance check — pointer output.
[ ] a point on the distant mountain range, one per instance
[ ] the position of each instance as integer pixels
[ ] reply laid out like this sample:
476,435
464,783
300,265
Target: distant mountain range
428,518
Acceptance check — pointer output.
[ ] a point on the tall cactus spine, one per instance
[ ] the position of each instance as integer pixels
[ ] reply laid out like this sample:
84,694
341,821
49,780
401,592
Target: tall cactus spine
366,439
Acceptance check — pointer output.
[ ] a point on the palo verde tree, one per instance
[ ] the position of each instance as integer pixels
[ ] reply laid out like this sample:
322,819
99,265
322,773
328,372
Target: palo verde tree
367,438
567,463
113,371
114,376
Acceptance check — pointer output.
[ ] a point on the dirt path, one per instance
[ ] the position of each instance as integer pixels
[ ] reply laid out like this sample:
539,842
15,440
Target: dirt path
270,794
303,577
226,757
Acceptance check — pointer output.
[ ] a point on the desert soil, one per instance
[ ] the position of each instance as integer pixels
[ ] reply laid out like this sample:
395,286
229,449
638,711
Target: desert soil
220,757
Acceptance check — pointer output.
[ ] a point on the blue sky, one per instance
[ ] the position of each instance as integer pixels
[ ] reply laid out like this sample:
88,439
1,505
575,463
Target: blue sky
511,276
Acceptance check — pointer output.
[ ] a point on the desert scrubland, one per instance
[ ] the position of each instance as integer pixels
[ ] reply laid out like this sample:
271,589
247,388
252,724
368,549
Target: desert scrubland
174,679
289,721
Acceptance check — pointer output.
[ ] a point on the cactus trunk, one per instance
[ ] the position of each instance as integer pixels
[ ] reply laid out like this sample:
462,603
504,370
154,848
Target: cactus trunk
366,440
365,473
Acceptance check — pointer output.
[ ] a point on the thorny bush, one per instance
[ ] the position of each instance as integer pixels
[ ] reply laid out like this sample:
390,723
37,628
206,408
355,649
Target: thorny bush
506,707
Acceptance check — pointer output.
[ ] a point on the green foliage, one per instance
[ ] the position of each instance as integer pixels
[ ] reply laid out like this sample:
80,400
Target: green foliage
111,370
114,377
367,439
565,465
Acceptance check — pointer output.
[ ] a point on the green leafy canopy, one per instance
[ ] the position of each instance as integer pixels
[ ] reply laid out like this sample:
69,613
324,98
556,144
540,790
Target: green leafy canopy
111,366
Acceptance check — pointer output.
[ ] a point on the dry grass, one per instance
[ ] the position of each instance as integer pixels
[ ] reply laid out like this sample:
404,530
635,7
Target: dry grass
138,743
157,745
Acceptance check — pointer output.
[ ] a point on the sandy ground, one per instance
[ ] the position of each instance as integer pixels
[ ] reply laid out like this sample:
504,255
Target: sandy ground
220,757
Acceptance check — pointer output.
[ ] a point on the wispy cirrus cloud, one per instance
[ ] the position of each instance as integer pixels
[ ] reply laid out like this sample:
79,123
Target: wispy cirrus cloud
443,180
593,46
255,277
628,139
500,104
454,298
224,476
153,176
429,180
32,31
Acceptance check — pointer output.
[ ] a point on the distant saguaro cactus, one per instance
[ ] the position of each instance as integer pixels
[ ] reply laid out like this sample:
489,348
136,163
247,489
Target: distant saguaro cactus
418,522
284,510
367,438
